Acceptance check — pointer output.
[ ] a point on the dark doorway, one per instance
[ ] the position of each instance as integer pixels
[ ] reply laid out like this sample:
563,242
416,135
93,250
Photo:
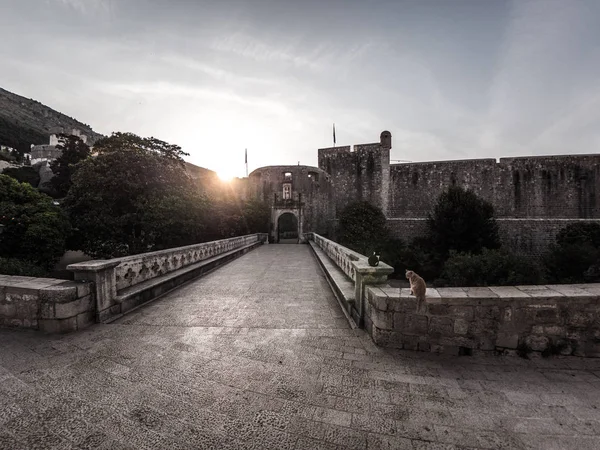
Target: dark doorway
287,229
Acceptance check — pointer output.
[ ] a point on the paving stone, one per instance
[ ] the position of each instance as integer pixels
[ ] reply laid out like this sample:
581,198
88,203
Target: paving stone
256,355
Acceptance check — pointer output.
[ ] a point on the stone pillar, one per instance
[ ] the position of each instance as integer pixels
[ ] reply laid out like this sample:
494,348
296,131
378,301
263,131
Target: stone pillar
103,274
366,275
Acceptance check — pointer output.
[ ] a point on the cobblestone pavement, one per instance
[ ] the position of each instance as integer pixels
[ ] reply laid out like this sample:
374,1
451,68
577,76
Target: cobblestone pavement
258,355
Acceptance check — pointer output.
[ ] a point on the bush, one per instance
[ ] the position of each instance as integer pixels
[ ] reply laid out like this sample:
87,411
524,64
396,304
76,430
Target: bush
363,228
33,228
21,267
489,268
422,257
575,257
463,222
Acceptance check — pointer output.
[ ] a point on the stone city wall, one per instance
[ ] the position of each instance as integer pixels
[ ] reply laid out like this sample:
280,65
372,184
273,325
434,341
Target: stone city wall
529,236
45,304
553,319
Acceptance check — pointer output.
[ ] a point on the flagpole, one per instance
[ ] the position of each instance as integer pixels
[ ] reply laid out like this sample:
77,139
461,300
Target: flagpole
246,159
334,135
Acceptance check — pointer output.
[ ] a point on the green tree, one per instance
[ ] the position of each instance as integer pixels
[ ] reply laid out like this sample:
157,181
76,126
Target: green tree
489,268
74,150
32,228
575,256
363,228
133,197
463,222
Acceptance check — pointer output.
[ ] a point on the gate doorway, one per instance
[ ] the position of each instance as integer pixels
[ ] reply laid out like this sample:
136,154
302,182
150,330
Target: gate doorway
287,229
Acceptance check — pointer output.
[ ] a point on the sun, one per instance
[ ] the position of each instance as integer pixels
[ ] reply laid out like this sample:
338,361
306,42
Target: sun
225,176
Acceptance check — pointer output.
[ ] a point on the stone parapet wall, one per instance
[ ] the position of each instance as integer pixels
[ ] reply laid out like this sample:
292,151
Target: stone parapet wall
342,256
139,268
553,319
45,304
122,284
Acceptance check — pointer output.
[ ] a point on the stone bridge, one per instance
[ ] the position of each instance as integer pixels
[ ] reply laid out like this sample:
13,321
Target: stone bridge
263,353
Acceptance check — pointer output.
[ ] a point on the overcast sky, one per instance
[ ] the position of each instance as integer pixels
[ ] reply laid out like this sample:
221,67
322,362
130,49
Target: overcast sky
450,79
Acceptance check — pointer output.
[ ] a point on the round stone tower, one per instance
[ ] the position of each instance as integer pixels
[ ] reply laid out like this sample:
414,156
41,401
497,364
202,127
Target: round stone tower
386,139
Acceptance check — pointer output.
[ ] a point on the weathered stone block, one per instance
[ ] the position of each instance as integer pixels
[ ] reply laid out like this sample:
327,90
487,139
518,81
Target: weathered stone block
2,293
403,304
424,346
464,312
399,321
47,311
85,319
84,288
442,325
555,330
58,325
70,309
415,324
58,294
486,343
580,319
546,314
488,312
461,326
382,319
437,310
507,340
537,343
459,341
410,342
8,310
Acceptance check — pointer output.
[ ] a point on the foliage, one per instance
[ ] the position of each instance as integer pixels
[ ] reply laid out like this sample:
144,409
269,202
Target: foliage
34,229
421,256
133,197
463,222
231,218
362,227
575,257
24,174
74,150
489,268
20,267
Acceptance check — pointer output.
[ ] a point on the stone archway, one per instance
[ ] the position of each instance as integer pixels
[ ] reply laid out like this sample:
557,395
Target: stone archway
287,228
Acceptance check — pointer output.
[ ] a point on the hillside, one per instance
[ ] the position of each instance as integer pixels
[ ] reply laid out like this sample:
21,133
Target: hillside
25,121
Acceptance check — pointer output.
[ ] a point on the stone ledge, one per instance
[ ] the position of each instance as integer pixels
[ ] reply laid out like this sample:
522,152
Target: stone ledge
96,265
556,319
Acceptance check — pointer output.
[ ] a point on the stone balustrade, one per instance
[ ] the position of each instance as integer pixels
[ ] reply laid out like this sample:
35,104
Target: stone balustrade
104,289
45,304
124,283
552,319
357,271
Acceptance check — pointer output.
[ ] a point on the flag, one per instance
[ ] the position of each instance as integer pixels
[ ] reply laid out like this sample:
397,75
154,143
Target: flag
246,157
334,134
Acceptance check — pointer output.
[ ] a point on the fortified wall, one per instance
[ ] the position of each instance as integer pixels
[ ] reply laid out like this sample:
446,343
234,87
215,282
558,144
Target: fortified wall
534,197
303,191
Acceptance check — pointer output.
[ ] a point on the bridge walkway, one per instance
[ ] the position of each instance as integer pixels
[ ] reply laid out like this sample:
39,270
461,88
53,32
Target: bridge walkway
258,355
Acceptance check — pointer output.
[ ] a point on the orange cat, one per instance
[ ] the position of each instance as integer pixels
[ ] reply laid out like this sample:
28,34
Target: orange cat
417,288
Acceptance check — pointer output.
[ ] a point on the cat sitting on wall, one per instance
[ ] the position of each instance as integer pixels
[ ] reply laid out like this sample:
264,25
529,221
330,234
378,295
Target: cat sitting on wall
418,288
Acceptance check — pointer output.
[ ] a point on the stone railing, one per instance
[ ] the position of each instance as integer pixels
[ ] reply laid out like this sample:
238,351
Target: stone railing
357,270
553,319
123,283
45,304
136,269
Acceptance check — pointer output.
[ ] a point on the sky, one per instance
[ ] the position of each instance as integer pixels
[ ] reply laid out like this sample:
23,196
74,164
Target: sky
450,79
